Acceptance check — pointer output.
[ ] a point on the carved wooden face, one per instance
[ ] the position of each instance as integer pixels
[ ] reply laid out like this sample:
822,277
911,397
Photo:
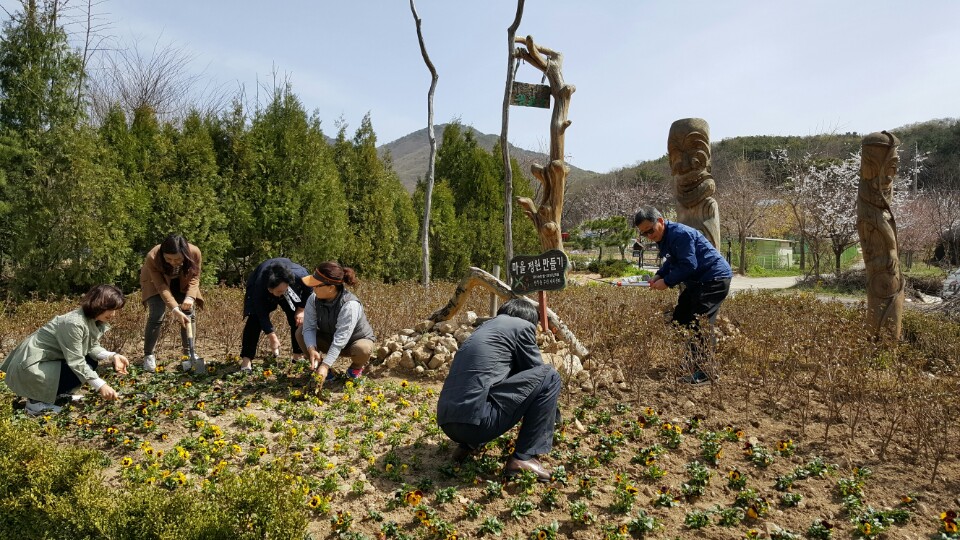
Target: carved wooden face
879,161
688,151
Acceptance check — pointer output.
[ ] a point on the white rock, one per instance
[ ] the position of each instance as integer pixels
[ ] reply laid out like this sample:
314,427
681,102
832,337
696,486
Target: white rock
424,325
421,355
461,335
439,360
471,317
394,346
445,327
407,332
409,345
440,349
393,360
419,369
382,352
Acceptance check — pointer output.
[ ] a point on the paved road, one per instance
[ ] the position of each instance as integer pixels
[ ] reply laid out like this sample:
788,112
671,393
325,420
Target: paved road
740,283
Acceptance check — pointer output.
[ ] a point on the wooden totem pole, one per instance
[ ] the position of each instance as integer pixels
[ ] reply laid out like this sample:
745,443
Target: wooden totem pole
878,233
688,146
546,215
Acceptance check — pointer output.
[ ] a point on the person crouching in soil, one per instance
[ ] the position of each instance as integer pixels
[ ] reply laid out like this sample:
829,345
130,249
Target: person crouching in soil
497,379
334,322
64,353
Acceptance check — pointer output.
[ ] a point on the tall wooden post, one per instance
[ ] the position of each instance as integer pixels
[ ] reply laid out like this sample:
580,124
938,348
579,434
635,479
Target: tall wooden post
547,214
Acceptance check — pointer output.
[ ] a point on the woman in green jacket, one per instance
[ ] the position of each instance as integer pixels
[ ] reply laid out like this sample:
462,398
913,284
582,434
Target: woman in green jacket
65,352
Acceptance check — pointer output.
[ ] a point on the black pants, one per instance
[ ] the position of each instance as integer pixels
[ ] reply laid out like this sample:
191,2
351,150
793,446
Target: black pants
252,331
697,300
68,379
539,415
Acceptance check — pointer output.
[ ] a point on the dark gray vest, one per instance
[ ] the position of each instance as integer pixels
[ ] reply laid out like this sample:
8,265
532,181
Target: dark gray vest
328,311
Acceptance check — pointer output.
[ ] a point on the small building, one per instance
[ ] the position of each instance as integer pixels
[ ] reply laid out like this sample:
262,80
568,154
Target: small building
773,252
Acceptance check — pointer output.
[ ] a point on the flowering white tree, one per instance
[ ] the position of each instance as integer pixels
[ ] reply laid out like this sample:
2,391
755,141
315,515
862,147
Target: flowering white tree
915,212
832,204
744,200
823,196
620,195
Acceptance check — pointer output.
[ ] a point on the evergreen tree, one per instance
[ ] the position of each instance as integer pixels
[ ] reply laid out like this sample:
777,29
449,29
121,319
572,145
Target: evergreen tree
38,73
236,162
379,244
186,194
68,206
448,258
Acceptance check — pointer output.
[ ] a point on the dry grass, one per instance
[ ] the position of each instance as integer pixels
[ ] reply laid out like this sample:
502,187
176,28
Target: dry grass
791,367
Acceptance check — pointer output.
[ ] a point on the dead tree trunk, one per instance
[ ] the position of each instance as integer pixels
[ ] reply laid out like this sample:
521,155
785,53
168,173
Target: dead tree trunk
547,214
504,144
475,277
431,163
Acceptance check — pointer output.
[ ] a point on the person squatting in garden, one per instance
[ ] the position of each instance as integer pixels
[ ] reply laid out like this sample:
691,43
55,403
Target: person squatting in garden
64,353
275,282
689,259
334,322
170,278
498,379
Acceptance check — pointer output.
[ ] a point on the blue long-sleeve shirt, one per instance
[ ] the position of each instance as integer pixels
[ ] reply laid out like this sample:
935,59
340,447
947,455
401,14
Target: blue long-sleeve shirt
689,257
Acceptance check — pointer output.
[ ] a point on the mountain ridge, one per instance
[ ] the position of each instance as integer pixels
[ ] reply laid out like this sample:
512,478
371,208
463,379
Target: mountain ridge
409,155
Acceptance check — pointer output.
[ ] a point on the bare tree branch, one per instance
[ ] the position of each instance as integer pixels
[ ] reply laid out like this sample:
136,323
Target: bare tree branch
431,163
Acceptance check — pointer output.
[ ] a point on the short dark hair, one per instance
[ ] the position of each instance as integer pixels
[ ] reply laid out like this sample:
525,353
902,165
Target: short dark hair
520,308
646,213
278,273
101,298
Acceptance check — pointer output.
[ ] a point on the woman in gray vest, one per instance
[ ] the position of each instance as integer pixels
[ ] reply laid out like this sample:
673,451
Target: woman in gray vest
334,322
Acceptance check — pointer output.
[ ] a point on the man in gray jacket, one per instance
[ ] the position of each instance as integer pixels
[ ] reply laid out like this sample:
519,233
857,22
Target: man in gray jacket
497,379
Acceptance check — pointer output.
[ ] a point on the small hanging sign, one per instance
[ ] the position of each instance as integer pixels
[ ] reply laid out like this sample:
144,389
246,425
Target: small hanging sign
530,95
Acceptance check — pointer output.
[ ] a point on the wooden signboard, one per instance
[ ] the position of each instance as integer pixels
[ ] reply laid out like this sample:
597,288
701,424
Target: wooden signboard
544,272
530,95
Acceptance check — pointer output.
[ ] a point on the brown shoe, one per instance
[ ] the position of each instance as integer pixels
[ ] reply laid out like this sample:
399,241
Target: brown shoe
515,466
462,452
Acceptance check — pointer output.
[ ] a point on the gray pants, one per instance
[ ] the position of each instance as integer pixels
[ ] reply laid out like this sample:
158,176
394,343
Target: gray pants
538,412
157,312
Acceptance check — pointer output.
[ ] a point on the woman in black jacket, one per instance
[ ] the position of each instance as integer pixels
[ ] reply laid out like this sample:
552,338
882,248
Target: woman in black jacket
275,282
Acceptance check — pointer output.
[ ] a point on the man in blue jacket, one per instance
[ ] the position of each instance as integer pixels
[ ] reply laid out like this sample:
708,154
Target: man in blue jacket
497,379
690,259
275,282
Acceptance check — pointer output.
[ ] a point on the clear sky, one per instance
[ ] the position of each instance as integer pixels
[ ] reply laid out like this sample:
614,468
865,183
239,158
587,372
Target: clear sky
749,67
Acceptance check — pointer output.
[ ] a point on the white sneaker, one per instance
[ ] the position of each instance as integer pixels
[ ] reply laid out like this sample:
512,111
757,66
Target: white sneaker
150,363
35,408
